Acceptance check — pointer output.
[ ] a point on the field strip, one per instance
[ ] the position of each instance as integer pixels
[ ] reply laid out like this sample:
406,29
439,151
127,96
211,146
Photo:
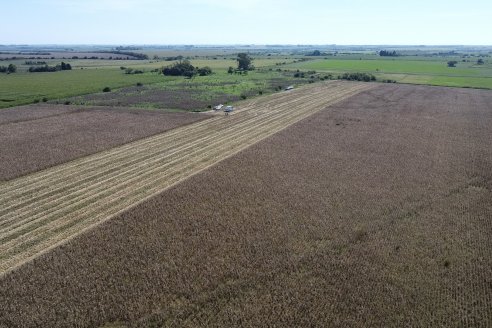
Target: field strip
139,172
87,163
111,172
45,209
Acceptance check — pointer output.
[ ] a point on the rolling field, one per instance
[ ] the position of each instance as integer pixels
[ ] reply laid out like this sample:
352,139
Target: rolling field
42,210
373,212
36,137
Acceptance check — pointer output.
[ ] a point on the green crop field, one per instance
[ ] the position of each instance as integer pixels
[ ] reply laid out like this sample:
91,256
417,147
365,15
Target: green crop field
431,71
23,88
92,75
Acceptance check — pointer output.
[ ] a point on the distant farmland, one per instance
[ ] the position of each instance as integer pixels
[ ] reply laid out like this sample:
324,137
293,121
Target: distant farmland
408,70
373,212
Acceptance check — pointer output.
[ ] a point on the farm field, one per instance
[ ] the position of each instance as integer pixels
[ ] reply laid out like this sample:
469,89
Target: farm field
36,137
92,76
199,94
373,212
26,88
42,210
408,70
274,66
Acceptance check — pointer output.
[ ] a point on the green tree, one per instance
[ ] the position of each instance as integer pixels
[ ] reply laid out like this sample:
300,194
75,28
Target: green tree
244,62
180,68
12,68
452,63
480,61
204,71
230,70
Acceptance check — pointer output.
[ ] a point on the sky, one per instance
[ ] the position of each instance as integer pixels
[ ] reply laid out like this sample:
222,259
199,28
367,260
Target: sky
375,22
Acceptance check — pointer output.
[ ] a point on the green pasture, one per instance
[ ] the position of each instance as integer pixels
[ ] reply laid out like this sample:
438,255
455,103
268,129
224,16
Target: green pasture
24,88
432,72
209,90
92,75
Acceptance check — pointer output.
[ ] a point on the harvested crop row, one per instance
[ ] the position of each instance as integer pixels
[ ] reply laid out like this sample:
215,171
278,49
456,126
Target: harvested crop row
373,213
34,138
47,208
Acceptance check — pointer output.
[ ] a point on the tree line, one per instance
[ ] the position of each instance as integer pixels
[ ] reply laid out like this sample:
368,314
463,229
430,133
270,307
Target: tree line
45,68
387,53
185,68
364,77
8,69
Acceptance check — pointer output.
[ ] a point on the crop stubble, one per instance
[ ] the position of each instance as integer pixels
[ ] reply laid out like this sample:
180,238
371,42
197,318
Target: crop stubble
36,137
42,210
375,212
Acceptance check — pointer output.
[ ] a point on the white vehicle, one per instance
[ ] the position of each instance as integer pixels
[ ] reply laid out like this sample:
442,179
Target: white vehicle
218,107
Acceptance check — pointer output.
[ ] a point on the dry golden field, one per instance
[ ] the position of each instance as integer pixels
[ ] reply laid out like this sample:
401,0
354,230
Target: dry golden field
372,212
42,210
37,137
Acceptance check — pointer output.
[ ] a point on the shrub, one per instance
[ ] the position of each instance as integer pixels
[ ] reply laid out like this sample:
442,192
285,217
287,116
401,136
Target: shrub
180,68
139,84
44,99
65,67
385,53
204,71
358,77
107,89
452,63
12,68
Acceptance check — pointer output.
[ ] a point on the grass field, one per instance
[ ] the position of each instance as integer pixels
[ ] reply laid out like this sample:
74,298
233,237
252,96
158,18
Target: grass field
24,88
431,71
198,94
91,76
374,212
